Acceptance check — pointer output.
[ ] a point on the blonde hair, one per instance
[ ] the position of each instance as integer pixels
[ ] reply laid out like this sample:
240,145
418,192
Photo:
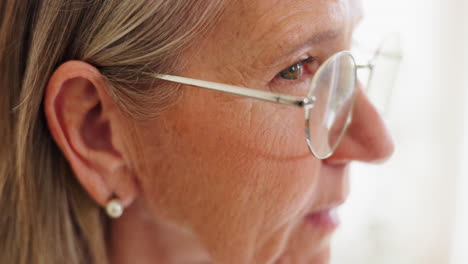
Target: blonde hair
46,217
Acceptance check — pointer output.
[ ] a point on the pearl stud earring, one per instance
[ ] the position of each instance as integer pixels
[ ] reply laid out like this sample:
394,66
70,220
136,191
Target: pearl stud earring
114,208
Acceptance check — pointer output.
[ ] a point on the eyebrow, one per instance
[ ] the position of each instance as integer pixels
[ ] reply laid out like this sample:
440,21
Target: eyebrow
315,39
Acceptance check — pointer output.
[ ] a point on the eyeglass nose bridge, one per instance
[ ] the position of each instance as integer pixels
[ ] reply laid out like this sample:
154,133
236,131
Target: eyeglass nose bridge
370,66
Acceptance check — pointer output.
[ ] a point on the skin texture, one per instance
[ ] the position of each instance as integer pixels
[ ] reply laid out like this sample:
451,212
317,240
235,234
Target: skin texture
219,178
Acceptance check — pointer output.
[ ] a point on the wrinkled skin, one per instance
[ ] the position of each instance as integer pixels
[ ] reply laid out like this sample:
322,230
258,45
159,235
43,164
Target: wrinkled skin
228,179
237,171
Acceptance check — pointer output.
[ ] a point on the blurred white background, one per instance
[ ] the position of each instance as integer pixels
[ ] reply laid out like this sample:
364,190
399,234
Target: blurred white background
414,208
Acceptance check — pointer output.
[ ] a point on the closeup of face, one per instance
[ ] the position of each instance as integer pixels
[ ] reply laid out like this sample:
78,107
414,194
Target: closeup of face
235,174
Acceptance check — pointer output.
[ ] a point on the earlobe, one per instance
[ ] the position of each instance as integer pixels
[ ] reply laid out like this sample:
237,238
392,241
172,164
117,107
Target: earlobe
82,119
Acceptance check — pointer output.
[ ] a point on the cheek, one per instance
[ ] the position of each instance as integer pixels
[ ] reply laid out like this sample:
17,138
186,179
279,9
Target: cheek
274,132
234,175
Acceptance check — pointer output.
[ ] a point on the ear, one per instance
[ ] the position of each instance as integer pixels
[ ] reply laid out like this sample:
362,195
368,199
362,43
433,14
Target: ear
82,118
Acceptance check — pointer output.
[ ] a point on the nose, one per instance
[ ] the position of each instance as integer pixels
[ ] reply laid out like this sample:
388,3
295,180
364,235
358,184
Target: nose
367,138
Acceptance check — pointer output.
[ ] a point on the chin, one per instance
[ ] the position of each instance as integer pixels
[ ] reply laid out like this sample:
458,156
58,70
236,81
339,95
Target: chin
321,256
307,245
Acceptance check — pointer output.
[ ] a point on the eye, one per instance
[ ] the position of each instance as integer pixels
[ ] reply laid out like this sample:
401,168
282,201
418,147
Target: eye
293,72
296,70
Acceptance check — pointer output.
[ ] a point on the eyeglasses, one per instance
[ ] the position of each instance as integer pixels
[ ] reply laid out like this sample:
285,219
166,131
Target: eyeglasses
383,71
330,98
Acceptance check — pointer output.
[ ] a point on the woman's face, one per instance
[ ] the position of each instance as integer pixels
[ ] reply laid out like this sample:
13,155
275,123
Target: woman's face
236,172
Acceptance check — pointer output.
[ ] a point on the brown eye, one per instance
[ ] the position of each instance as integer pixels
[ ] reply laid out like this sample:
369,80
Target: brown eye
293,72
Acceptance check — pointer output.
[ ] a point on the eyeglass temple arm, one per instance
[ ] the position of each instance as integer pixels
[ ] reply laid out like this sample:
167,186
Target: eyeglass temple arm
242,91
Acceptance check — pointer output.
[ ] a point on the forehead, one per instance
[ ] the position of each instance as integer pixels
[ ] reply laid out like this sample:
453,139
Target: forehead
258,31
272,20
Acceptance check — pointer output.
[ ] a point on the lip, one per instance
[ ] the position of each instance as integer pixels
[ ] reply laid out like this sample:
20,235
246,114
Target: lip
327,219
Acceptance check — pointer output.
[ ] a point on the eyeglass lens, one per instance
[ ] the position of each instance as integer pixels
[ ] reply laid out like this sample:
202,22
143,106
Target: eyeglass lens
333,88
